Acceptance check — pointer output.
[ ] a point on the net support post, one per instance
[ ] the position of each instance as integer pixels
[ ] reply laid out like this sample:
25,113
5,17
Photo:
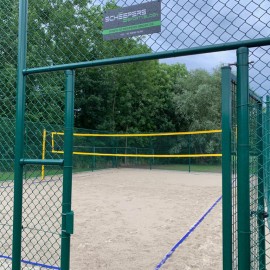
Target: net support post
226,167
116,158
19,137
67,178
189,160
243,188
94,159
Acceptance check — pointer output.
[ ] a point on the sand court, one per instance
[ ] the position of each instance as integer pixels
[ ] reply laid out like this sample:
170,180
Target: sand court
131,218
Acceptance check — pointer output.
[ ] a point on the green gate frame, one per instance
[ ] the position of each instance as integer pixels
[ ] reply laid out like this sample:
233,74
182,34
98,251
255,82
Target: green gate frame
241,157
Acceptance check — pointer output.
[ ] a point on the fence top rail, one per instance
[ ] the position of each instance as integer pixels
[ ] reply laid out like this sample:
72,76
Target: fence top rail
152,56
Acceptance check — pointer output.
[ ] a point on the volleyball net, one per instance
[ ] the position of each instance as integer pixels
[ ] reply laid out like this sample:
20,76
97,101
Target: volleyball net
194,150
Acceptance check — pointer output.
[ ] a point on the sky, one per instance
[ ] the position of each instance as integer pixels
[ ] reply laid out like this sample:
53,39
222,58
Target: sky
196,23
189,24
207,61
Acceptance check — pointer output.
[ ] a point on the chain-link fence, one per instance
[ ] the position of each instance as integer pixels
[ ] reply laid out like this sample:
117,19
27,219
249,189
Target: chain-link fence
42,198
67,32
259,182
8,59
71,31
248,233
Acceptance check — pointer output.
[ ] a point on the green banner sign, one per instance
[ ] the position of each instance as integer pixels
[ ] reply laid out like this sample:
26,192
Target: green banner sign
132,21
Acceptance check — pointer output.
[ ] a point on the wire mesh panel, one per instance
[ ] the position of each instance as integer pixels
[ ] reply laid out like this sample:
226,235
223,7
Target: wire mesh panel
255,211
67,31
60,26
42,211
8,63
42,196
258,229
259,153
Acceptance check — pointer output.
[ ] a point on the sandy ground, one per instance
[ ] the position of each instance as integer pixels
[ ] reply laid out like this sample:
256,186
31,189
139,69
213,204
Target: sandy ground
41,222
125,219
130,219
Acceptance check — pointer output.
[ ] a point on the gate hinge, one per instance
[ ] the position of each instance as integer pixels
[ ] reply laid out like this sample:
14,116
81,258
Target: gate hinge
68,220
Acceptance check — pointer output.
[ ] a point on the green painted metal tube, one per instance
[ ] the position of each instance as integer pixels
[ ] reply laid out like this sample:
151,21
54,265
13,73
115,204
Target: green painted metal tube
19,137
243,190
267,156
25,161
264,155
153,56
226,168
67,181
260,218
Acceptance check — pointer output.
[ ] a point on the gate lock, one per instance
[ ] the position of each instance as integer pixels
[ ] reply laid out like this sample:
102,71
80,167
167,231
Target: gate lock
68,222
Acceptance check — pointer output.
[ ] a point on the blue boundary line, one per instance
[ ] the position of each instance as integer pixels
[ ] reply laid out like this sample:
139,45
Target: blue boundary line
169,254
33,263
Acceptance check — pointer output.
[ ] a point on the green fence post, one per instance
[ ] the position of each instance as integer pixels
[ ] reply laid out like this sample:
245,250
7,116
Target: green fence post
226,167
243,190
19,139
261,226
267,155
67,214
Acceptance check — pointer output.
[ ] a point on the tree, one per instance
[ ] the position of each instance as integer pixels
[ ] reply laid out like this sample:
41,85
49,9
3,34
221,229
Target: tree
198,100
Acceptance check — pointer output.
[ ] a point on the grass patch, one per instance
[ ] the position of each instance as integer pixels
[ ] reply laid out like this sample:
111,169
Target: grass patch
193,168
7,176
4,176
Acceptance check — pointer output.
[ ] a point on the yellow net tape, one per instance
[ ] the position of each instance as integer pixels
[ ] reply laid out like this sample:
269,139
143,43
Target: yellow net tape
141,155
139,135
142,134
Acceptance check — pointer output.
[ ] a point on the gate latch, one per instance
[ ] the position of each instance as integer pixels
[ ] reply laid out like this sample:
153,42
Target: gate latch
68,220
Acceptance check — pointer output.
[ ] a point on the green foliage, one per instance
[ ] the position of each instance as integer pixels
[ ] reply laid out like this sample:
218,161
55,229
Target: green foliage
138,97
198,99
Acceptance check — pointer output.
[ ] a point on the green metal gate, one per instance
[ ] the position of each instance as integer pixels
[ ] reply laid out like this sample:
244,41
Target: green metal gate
36,220
245,183
43,220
